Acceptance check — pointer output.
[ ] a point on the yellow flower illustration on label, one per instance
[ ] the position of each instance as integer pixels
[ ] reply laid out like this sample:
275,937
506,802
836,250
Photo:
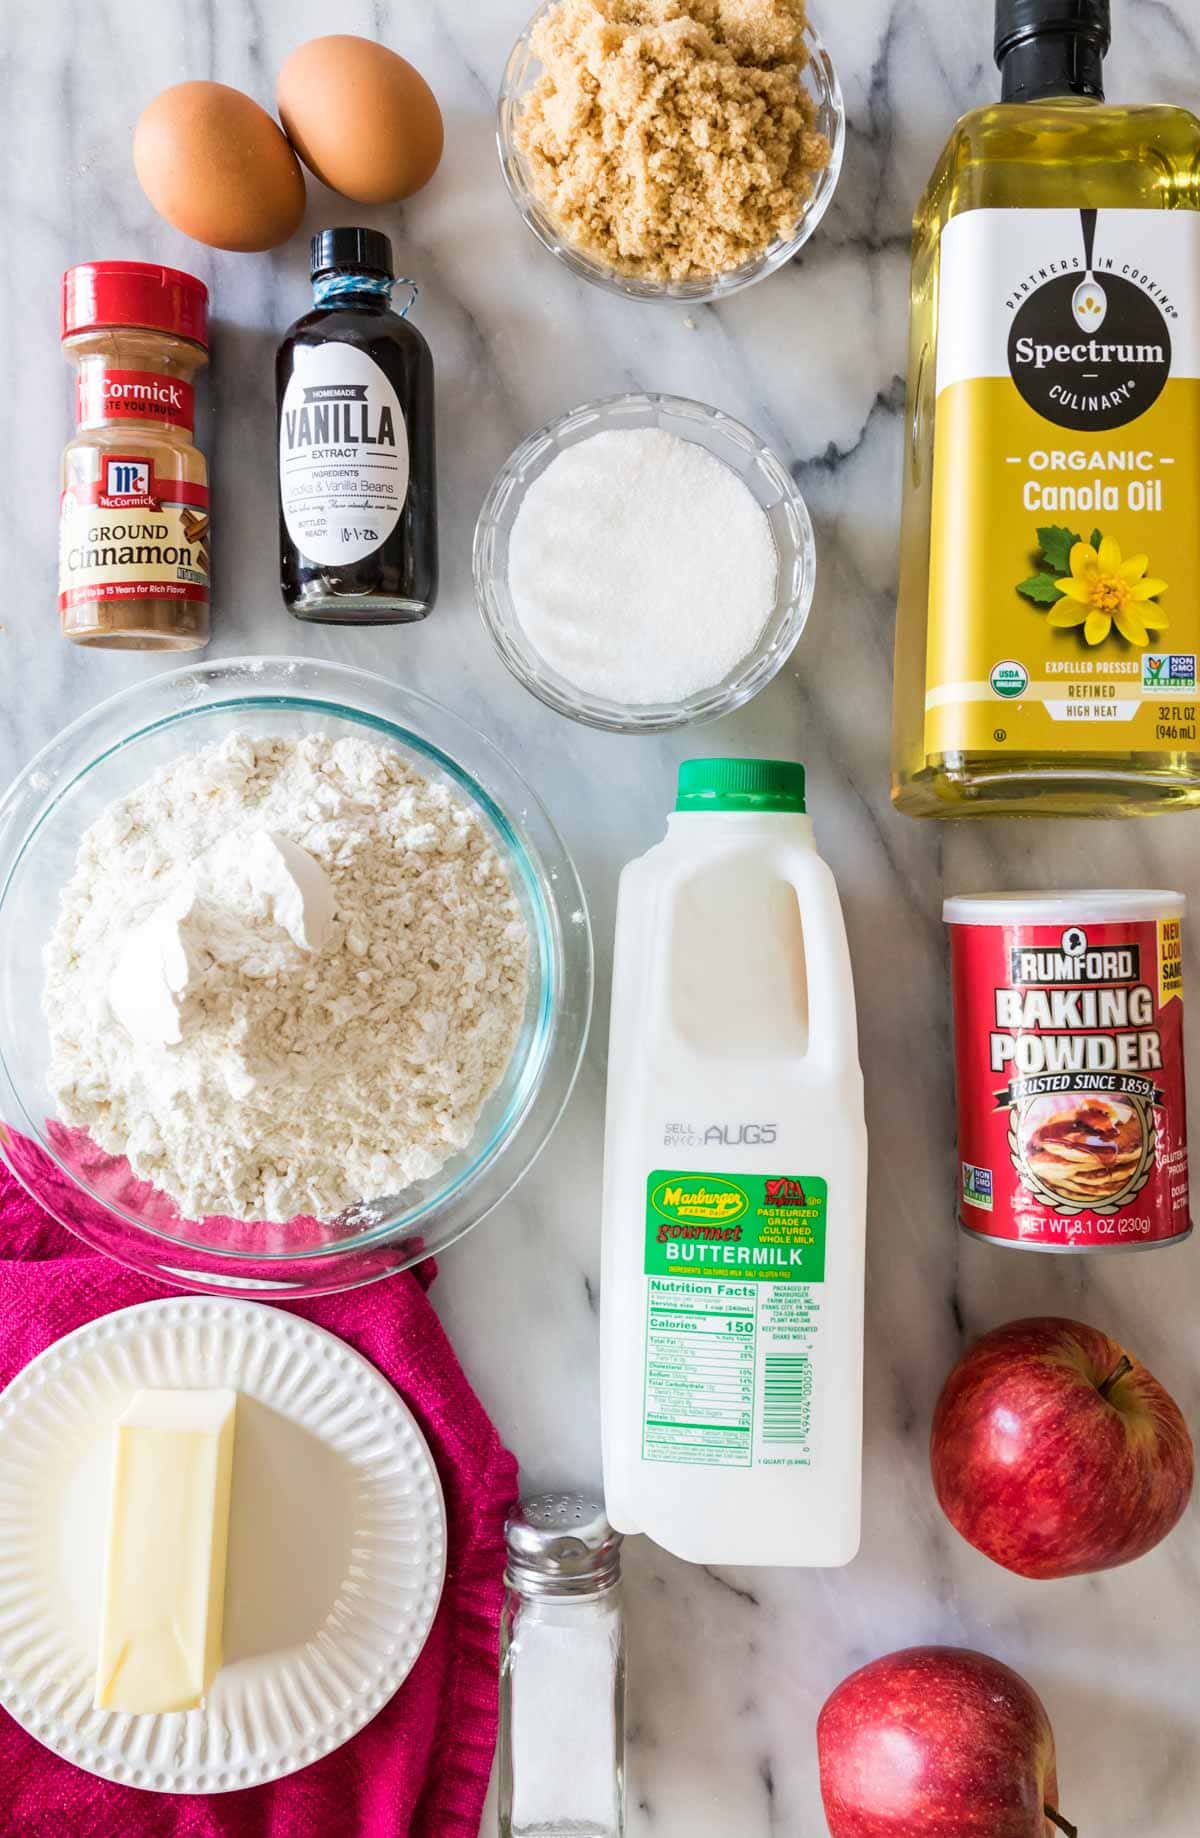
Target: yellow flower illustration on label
1103,591
1090,587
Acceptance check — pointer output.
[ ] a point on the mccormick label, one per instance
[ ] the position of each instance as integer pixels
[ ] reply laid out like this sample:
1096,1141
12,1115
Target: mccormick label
1064,600
1072,1127
133,395
133,533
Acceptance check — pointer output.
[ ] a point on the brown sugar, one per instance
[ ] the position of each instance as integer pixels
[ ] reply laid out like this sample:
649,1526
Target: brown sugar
672,139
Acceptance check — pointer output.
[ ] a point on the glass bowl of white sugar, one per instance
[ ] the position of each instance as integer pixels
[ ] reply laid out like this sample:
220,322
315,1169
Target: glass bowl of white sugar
643,563
328,1085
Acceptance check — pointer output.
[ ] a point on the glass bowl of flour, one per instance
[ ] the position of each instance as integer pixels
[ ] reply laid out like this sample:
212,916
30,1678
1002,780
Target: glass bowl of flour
295,977
644,563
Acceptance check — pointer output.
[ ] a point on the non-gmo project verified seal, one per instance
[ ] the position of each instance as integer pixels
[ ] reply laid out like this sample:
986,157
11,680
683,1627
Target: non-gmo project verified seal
977,1186
1168,670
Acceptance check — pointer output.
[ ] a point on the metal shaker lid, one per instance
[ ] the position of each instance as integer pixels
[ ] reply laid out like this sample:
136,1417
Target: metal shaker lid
561,1544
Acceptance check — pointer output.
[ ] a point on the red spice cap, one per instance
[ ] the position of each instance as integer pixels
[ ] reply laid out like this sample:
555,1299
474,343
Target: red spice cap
98,294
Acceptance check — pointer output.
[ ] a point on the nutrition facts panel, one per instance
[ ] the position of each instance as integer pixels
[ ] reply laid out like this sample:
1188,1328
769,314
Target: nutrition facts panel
700,1372
735,1275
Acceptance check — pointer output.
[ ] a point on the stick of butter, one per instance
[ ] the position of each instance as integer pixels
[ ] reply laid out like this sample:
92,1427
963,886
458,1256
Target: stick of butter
164,1567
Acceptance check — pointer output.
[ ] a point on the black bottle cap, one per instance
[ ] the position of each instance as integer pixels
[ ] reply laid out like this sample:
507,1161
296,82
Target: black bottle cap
1017,21
359,250
1051,48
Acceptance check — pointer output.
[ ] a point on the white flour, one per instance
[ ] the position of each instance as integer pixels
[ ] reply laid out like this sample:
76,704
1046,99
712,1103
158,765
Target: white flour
302,1080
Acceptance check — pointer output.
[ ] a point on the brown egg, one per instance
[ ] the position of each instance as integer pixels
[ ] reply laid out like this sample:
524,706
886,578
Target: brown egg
218,168
362,119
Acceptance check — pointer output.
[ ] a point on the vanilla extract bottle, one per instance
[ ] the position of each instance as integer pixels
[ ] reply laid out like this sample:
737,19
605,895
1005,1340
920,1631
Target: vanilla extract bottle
1048,630
357,472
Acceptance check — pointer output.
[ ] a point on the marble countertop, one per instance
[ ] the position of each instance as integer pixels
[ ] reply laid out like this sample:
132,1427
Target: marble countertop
728,1668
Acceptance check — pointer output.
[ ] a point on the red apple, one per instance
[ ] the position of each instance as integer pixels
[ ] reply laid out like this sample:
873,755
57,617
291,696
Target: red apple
1055,1452
938,1742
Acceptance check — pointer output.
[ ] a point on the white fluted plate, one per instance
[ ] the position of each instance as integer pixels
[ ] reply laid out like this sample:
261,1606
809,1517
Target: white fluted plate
337,1546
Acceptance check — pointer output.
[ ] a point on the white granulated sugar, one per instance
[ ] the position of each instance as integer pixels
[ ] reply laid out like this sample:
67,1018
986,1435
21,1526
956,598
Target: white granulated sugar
641,567
317,1061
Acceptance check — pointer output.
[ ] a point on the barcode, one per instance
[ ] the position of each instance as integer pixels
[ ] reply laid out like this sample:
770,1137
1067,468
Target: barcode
787,1397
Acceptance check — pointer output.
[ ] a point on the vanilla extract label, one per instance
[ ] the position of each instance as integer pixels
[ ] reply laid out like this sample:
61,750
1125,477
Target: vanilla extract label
338,414
343,454
1066,467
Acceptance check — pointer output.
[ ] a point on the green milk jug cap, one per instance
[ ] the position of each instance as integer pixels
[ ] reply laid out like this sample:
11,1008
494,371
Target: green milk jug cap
740,785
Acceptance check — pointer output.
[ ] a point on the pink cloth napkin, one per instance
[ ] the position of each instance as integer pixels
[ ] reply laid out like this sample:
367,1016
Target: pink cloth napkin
420,1768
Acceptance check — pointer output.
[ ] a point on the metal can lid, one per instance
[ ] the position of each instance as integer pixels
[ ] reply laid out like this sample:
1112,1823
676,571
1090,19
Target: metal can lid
1066,906
561,1544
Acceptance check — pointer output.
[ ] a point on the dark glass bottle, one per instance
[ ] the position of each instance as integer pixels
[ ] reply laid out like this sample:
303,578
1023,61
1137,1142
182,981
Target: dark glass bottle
357,473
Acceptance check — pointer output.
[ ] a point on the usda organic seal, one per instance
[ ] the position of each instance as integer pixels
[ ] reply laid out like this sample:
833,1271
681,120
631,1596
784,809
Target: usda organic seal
1009,679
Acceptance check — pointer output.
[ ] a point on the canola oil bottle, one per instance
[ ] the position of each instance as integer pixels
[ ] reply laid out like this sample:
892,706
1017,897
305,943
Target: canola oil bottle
1049,615
734,1186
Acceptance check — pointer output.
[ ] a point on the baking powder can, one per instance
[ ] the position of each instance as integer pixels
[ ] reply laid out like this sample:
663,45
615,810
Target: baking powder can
1068,1035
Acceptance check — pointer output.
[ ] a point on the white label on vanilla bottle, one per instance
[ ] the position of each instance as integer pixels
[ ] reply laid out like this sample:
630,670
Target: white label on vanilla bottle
343,454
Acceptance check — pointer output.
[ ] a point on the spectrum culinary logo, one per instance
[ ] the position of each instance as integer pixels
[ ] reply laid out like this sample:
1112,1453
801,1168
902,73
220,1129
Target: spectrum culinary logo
1089,348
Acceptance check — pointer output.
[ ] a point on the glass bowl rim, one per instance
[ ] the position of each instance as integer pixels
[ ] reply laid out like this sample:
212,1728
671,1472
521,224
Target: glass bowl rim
654,717
701,289
554,897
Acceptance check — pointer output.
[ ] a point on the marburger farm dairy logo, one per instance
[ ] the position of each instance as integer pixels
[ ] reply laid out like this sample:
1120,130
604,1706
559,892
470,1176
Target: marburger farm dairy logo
1091,350
705,1198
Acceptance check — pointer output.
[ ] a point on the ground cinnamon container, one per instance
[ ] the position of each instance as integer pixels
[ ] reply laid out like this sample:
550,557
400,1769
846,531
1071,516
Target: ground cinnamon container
1068,1028
133,528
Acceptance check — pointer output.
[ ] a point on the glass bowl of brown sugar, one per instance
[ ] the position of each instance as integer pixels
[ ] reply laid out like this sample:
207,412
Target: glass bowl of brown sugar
557,190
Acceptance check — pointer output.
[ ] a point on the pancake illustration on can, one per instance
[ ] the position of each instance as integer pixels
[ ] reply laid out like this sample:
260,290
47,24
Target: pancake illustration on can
1087,1154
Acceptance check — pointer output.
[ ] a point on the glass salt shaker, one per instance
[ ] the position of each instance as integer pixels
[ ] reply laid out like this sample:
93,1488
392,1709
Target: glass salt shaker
562,1673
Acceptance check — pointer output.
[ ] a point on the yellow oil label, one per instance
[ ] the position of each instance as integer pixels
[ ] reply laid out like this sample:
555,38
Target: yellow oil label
1064,599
